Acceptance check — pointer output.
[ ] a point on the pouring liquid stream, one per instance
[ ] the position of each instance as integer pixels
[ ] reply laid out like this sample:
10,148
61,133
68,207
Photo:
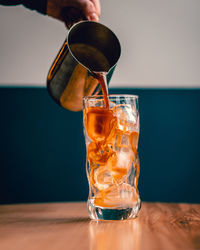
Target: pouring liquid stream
103,82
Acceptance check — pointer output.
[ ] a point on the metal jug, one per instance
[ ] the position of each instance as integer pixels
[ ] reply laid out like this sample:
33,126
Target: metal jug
90,48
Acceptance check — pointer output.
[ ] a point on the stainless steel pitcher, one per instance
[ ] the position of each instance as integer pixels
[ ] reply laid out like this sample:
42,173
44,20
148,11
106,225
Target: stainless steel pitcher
89,49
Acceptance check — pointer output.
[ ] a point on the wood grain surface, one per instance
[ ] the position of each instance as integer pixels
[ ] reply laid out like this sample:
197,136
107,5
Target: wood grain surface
67,226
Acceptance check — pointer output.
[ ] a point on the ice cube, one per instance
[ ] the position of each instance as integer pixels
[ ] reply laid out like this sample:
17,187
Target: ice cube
102,178
120,165
98,123
124,159
98,153
123,195
134,137
122,140
127,117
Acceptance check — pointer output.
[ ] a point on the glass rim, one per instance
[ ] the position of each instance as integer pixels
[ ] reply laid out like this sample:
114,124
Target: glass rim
111,95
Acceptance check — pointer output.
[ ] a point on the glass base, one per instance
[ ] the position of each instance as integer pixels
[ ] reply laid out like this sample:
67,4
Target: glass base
102,213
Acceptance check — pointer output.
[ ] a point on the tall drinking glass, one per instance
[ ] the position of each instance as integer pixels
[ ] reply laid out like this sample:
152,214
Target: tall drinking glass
112,164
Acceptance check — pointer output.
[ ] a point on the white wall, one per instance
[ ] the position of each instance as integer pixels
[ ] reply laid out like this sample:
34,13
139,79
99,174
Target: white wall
160,42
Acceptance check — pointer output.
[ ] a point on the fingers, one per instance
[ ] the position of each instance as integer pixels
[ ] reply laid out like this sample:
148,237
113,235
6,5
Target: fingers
90,8
97,7
95,11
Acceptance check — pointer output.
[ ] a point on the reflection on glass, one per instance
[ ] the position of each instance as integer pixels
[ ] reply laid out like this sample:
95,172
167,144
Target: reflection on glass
118,235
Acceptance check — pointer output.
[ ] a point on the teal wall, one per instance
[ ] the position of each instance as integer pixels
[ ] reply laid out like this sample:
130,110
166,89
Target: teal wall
42,151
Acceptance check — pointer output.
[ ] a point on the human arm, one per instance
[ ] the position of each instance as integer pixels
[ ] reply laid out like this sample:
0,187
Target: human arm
68,11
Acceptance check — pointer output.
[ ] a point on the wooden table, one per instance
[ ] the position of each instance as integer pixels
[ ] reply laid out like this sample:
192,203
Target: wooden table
67,226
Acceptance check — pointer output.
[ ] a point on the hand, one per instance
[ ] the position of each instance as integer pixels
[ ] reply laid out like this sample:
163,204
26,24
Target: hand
72,11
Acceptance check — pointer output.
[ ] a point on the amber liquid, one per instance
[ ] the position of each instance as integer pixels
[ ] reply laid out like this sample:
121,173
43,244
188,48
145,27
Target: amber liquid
102,128
103,82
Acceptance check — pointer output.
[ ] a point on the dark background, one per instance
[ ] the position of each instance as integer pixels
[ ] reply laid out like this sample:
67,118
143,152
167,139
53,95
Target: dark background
42,150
